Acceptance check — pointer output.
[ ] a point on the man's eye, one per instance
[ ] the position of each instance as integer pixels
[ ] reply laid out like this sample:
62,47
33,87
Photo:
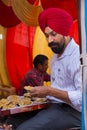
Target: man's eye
54,34
47,36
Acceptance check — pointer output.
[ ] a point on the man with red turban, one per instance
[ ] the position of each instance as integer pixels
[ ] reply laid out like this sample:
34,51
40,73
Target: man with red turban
64,93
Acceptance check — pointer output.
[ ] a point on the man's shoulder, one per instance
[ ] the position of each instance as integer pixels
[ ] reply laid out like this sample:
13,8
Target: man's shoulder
74,44
73,48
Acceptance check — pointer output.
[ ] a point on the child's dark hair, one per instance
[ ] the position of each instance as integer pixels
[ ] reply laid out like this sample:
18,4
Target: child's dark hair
39,59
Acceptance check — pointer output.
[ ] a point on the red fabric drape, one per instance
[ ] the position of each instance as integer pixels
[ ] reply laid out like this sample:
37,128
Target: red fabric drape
74,31
18,57
7,16
31,1
68,5
31,32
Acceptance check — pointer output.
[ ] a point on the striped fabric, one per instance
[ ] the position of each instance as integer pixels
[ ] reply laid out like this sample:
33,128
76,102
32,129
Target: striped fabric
66,74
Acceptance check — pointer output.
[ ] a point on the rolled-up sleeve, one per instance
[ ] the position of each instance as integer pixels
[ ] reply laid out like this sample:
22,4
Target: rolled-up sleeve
76,99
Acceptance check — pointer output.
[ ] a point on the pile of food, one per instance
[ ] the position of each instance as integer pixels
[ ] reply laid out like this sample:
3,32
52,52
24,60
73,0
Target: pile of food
14,101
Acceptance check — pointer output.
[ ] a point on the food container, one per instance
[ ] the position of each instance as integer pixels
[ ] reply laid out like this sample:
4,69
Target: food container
33,106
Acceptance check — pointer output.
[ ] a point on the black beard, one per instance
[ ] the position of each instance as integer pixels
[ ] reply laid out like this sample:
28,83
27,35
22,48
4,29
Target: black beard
57,47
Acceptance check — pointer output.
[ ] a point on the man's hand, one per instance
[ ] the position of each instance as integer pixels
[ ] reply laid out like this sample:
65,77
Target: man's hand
40,91
11,91
6,127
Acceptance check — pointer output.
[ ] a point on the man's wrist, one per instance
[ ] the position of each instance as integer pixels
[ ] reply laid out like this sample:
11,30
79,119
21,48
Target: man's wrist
48,91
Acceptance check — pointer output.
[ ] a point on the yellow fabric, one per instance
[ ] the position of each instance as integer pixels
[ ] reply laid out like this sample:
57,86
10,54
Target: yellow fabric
4,79
40,46
26,12
47,84
7,2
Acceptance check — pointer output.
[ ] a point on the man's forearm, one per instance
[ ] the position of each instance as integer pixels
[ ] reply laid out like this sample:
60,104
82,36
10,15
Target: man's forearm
4,89
60,94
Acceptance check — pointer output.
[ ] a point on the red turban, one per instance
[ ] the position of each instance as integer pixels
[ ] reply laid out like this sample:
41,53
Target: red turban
57,19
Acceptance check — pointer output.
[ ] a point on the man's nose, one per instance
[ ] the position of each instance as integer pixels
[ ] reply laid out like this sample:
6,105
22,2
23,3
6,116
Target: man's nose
50,39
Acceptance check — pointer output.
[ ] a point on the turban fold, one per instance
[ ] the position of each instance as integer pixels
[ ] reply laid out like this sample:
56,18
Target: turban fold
57,19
